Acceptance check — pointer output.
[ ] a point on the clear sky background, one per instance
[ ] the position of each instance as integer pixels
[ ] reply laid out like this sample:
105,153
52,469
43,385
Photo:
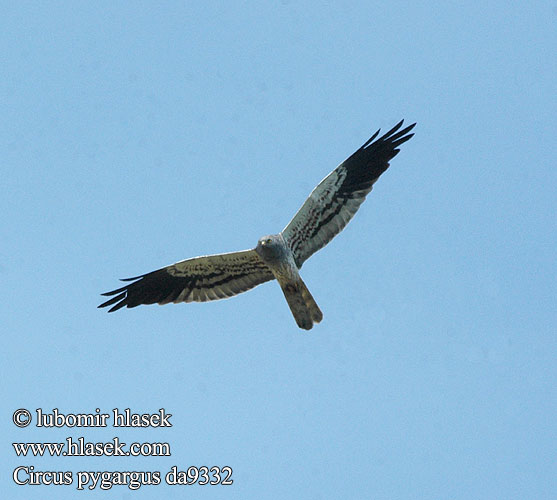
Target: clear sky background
133,135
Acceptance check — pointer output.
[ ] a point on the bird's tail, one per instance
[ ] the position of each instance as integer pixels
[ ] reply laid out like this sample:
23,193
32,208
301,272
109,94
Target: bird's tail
302,304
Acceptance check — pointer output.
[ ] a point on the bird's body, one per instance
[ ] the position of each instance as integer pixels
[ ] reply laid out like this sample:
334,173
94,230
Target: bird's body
325,213
275,252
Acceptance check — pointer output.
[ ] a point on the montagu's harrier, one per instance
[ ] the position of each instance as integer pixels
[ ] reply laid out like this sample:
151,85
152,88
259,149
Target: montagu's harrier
328,209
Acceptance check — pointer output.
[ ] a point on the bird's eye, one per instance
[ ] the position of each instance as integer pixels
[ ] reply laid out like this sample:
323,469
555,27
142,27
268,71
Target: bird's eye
268,240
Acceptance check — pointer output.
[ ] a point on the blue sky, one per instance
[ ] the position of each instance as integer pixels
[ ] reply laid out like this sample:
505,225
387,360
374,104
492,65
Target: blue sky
133,136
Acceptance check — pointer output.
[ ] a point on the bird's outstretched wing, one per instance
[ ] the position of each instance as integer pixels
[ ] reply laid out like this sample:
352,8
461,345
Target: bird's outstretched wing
200,279
338,196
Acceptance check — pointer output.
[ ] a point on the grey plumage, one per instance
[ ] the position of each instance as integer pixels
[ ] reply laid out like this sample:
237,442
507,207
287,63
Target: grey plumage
278,256
324,214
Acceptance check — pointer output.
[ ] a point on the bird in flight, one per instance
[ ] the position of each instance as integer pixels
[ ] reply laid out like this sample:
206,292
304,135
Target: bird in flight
324,214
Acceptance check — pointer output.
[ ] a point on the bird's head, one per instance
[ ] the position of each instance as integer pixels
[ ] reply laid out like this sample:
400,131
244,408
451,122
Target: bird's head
270,247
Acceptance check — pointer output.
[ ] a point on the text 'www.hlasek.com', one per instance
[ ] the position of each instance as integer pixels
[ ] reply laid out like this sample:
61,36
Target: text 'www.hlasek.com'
71,446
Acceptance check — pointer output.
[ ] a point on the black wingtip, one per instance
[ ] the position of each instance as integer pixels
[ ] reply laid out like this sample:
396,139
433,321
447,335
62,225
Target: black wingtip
117,306
114,292
370,140
394,135
121,297
132,279
391,133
